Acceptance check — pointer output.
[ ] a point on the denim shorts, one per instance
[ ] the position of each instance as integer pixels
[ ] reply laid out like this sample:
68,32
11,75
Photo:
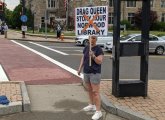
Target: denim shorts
92,78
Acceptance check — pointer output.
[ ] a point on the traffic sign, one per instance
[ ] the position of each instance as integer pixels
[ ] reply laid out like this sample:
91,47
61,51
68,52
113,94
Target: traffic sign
24,28
24,18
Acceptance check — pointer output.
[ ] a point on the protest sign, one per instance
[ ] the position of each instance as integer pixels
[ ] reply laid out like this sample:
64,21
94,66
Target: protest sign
91,20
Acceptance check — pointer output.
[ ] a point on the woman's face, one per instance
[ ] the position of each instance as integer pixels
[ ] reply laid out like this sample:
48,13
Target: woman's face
93,40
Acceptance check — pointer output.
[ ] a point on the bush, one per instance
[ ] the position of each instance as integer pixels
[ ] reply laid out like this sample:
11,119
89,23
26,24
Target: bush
127,23
70,27
42,29
160,26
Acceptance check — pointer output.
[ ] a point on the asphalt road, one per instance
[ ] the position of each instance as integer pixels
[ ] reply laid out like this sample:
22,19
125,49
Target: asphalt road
129,66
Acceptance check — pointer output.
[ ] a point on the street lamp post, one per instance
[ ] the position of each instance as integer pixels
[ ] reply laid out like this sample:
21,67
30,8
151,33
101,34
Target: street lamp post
33,20
4,5
67,12
23,13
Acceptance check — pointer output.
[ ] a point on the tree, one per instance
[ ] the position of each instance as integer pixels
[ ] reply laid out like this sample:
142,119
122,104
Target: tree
8,16
138,18
16,22
16,15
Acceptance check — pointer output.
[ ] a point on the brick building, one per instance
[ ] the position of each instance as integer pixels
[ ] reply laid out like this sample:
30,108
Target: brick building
129,8
56,9
46,10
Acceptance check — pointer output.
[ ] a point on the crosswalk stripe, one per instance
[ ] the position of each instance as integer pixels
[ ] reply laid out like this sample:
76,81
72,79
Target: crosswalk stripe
3,76
57,51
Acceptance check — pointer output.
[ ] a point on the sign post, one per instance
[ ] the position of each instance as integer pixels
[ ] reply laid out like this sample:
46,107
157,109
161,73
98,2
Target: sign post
139,87
23,17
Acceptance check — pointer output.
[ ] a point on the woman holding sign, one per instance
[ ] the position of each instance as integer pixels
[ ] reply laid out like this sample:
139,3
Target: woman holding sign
92,76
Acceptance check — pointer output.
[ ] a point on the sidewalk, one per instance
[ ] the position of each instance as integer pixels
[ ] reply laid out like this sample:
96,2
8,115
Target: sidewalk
132,108
137,108
61,99
12,35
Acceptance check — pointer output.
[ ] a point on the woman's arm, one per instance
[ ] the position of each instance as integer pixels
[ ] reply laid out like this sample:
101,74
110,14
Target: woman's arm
81,65
98,59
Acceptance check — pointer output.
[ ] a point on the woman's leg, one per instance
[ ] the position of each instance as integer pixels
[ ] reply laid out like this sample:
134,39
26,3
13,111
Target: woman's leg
90,93
96,96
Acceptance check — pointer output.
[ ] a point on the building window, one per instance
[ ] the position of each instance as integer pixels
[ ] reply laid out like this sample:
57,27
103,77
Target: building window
110,3
162,4
110,19
163,17
51,3
131,3
152,3
131,18
42,20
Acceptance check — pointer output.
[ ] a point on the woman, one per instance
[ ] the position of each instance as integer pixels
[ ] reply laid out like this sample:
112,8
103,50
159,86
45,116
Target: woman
92,76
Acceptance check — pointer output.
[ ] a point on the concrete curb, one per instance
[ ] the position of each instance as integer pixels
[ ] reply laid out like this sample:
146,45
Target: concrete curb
49,36
122,111
25,98
13,107
43,40
19,106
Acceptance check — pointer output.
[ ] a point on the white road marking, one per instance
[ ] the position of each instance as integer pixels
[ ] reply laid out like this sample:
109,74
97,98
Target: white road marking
57,51
71,70
3,76
64,47
82,54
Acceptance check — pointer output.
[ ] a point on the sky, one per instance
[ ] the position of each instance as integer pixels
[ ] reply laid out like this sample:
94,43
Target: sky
11,4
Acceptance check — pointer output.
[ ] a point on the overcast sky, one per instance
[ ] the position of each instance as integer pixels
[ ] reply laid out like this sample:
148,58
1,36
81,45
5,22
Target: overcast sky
11,4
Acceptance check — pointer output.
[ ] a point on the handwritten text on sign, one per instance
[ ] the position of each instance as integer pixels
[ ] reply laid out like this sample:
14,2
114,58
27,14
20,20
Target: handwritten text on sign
91,20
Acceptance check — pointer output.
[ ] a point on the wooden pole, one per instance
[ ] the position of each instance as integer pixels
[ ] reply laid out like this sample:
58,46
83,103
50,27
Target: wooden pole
90,48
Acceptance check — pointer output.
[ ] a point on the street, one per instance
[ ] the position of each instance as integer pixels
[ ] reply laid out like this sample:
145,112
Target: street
70,55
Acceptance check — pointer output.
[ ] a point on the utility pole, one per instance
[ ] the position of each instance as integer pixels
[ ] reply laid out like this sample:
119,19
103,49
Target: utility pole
67,13
4,7
46,22
33,23
23,13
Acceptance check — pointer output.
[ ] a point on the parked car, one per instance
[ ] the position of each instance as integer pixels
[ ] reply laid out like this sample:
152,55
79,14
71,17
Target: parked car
101,40
162,37
156,44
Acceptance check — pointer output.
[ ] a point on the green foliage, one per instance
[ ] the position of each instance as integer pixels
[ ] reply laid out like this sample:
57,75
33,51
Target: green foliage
138,18
16,22
127,23
29,15
8,16
42,29
70,27
160,26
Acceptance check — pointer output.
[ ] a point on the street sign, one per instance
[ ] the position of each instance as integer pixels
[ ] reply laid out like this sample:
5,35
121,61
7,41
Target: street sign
24,18
91,20
24,28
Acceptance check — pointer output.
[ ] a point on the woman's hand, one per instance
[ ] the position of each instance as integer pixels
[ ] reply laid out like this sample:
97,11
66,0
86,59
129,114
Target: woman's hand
91,53
79,72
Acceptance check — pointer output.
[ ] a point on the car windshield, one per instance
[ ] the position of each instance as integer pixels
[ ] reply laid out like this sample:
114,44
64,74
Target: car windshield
122,38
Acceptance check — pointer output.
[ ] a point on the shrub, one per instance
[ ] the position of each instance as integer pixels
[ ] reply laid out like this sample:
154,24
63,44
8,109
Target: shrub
127,23
160,26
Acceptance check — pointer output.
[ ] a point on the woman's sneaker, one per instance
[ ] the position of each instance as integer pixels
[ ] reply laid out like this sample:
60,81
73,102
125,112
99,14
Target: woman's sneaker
97,115
90,108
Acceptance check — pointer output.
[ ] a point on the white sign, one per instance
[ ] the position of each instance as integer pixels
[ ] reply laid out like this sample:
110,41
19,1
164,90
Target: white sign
91,20
24,28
